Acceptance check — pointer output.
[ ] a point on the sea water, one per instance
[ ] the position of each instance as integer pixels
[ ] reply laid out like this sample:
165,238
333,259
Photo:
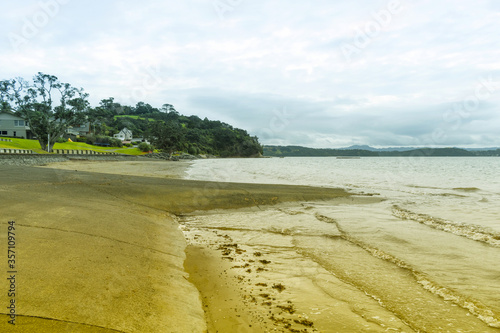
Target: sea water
429,252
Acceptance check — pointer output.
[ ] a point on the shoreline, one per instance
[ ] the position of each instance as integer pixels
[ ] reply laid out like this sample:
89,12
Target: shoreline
138,168
125,219
177,255
255,280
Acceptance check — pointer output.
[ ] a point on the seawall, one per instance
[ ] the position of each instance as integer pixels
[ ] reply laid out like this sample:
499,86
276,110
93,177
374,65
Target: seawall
42,159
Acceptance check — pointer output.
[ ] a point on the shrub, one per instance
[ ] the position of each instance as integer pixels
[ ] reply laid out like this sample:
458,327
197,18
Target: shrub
103,140
193,150
144,147
61,140
114,142
90,139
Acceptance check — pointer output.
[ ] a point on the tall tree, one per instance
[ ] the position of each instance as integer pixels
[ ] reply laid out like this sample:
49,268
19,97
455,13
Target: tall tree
111,107
48,105
96,118
168,108
167,136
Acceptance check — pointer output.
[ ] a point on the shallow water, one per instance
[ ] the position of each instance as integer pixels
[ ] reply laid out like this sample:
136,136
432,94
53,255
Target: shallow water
428,254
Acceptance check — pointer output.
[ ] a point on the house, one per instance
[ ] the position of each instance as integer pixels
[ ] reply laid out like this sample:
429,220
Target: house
124,135
141,140
14,126
83,129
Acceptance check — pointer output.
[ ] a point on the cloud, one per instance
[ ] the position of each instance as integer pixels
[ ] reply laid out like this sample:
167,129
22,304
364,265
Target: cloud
277,68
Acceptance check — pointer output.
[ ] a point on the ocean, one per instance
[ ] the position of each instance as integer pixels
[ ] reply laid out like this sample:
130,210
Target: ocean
419,251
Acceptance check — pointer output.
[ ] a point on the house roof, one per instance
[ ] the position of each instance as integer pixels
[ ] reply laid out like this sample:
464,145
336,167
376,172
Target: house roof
10,113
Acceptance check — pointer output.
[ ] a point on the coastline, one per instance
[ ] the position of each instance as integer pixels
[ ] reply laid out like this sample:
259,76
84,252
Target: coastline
98,237
253,280
138,168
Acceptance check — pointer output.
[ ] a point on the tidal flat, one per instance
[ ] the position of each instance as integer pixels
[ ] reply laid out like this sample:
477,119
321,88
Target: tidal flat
100,248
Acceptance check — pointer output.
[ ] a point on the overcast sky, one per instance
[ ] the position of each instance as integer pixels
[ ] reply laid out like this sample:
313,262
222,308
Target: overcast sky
318,73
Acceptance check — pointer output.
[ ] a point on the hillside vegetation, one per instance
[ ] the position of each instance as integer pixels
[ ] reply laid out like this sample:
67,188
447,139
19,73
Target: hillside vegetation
52,108
165,128
170,131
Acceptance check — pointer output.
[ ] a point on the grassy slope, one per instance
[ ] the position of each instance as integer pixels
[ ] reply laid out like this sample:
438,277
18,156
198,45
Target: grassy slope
22,144
35,146
134,117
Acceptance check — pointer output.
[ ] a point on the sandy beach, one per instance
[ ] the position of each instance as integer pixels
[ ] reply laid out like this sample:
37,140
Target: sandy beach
107,247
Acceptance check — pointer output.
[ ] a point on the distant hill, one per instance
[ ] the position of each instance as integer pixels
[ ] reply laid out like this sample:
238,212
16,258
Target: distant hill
369,148
282,151
482,149
359,147
365,147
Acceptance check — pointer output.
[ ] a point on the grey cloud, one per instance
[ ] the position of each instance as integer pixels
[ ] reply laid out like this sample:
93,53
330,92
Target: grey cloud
276,68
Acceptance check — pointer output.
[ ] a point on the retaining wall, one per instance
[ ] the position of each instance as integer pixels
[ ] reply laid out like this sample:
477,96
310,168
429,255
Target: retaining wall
42,159
80,152
15,151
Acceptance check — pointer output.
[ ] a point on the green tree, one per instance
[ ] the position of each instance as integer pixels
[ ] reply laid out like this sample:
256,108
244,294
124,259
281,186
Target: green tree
167,136
36,102
110,107
251,147
144,147
167,108
97,117
144,108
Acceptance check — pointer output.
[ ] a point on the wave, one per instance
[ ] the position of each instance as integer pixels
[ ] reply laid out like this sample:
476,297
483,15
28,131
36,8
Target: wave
426,187
450,195
467,189
470,231
475,307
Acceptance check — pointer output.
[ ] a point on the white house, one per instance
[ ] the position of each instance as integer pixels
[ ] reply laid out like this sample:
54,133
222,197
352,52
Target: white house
124,135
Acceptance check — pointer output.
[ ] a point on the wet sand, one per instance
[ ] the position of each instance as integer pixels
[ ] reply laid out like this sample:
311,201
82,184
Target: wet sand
144,168
255,280
99,249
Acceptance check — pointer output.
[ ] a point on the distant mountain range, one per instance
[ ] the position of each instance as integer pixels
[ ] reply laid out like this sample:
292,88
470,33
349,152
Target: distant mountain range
282,151
365,147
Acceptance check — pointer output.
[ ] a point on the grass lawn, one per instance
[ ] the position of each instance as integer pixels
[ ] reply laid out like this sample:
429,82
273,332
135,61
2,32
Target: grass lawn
35,146
79,146
22,144
129,151
134,117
